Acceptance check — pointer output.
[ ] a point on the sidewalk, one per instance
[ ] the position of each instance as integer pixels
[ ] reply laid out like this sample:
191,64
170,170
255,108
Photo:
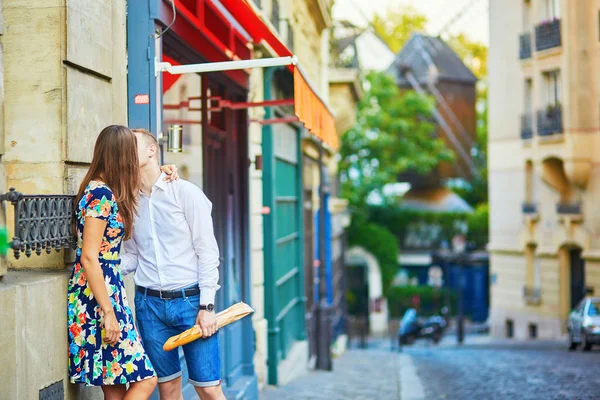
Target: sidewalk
371,374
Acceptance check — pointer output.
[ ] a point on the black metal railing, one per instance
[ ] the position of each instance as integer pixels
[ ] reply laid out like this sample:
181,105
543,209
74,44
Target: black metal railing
547,35
275,14
525,46
526,126
569,209
532,296
529,208
549,121
42,222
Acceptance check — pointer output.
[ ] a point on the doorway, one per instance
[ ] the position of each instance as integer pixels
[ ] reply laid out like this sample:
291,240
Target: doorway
577,275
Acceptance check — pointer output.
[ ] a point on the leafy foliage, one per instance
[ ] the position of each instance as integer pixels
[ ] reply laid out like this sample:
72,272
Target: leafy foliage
397,25
380,242
431,300
393,134
431,229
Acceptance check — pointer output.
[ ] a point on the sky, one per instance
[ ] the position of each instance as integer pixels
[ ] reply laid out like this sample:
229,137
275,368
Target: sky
473,21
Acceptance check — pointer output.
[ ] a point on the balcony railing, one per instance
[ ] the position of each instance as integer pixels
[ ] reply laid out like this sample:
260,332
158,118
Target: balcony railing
526,126
547,35
525,46
549,121
42,222
529,208
532,296
569,209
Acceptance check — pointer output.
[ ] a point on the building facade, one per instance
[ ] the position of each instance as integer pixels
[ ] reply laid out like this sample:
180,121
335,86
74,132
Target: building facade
64,78
543,163
259,164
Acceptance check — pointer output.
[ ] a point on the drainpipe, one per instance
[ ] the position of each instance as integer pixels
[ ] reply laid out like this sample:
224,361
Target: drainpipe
323,309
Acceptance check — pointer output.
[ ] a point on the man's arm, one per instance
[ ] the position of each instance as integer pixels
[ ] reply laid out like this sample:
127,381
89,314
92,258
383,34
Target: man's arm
129,257
197,209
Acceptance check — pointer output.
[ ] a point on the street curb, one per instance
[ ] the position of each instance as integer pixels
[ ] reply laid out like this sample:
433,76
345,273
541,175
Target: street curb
411,387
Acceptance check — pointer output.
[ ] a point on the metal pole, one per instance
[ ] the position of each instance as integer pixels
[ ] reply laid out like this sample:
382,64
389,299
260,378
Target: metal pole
322,309
224,66
461,318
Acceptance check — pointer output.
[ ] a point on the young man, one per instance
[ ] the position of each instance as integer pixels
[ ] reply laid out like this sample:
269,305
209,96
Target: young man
174,254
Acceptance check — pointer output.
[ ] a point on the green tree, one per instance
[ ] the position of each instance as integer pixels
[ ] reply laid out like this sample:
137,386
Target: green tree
393,133
397,25
473,54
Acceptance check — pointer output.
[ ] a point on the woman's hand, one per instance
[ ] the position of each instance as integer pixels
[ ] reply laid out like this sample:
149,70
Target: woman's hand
111,328
171,171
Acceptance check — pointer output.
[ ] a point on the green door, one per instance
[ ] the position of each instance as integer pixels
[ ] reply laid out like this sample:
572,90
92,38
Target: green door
283,238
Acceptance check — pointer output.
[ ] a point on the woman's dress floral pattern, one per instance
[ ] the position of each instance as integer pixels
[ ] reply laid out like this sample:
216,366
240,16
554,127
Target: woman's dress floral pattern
91,361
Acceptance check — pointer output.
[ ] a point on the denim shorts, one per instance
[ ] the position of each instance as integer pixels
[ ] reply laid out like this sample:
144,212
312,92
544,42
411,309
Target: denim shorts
158,320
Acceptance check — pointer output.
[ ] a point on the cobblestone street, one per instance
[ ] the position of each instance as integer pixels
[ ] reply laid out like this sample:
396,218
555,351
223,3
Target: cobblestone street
480,370
528,371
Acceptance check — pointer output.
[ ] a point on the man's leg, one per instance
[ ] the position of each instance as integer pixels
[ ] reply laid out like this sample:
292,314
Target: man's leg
152,323
171,390
202,355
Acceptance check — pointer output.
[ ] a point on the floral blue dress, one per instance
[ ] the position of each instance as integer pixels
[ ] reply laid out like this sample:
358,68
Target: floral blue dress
92,361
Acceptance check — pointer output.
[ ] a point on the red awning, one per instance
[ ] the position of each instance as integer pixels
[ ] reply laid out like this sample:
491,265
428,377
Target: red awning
309,108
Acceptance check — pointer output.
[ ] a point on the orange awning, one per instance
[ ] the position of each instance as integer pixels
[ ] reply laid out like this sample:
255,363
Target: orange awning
308,106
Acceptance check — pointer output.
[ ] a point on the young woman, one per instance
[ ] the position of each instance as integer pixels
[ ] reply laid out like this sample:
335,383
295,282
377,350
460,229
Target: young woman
104,346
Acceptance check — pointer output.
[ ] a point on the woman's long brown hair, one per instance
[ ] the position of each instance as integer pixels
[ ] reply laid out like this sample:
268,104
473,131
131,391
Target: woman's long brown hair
115,162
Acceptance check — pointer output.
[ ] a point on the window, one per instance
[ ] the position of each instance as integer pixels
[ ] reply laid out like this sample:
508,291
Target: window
594,308
529,182
509,325
552,90
526,15
275,14
290,36
533,331
531,267
552,9
528,96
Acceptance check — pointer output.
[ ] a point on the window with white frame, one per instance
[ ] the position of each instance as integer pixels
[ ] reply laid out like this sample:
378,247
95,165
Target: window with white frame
551,9
551,90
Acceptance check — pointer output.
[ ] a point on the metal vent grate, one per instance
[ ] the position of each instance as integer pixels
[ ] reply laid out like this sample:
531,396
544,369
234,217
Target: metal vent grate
56,391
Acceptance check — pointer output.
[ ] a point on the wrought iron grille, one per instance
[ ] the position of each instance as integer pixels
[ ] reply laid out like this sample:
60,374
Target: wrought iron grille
532,296
529,208
525,46
42,222
547,35
526,126
549,121
574,209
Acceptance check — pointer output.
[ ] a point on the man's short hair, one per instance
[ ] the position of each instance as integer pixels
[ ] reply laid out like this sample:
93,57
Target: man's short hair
151,139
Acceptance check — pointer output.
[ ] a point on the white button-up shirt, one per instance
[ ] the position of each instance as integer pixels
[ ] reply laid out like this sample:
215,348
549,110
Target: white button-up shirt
173,245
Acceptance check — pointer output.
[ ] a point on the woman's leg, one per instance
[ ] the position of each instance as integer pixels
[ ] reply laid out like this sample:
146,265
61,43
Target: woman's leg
114,392
141,390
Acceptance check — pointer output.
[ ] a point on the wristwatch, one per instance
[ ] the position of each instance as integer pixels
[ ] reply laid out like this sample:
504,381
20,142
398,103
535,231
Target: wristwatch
207,307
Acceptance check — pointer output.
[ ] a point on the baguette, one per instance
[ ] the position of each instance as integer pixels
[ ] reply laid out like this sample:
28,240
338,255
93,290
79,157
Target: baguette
225,317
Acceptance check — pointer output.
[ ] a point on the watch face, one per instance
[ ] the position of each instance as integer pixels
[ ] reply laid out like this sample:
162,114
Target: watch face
210,307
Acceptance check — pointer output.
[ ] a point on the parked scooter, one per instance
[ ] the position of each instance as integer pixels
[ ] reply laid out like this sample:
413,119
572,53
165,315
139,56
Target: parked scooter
411,328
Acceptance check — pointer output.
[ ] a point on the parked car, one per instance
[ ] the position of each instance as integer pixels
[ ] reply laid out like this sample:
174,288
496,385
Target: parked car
584,324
